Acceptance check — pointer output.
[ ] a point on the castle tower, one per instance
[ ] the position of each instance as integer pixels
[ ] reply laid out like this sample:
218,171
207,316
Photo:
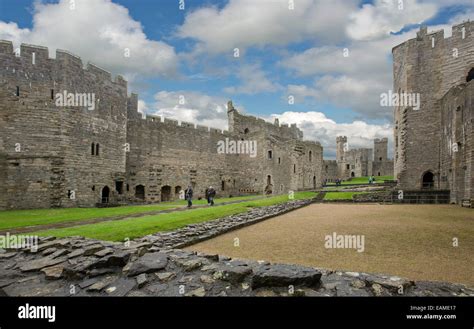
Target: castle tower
341,146
380,149
426,67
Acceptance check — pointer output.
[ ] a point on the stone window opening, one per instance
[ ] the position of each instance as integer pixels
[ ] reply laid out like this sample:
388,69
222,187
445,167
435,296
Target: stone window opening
246,131
119,187
92,149
17,91
269,180
380,160
97,149
93,187
310,156
470,75
223,185
52,94
270,155
348,166
279,160
294,169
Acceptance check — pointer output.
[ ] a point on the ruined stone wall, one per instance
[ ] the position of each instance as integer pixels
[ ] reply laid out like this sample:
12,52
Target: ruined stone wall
48,148
429,65
456,152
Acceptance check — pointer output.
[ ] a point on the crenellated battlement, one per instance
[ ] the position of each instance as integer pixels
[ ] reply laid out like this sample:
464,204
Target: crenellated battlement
459,33
30,56
160,122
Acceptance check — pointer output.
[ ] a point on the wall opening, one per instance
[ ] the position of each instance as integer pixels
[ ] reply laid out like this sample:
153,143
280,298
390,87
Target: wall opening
119,187
223,185
17,91
97,149
177,190
470,75
428,180
140,192
166,193
92,149
105,194
270,155
310,156
314,181
352,174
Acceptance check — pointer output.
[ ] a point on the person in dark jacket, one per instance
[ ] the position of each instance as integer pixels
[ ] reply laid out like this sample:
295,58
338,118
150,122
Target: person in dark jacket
188,194
210,195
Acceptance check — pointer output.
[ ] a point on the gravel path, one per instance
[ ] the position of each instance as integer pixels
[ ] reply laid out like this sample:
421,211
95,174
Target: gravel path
413,241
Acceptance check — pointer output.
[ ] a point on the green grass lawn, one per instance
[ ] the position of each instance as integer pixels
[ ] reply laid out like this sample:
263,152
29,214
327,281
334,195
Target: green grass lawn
21,218
136,227
341,195
363,180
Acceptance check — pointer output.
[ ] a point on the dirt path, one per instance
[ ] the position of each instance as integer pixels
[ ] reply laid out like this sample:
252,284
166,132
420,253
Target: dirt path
413,241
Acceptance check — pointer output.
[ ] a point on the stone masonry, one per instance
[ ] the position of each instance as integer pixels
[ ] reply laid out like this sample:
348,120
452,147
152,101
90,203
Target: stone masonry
358,162
433,143
71,156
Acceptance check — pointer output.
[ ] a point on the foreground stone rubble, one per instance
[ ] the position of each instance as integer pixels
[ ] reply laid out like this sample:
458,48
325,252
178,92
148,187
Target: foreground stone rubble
152,266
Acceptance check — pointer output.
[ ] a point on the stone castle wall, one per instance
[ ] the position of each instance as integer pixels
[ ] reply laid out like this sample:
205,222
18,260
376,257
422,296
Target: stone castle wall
57,163
437,68
426,65
53,166
358,162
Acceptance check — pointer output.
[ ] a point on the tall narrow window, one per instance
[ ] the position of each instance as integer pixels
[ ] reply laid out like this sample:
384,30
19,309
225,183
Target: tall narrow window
18,90
294,168
52,93
97,149
92,149
33,58
310,156
270,155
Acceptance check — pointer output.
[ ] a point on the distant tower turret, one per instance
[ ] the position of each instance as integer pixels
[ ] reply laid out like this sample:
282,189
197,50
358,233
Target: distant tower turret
341,142
380,149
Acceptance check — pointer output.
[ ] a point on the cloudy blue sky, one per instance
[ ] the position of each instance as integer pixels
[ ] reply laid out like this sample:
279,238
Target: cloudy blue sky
283,53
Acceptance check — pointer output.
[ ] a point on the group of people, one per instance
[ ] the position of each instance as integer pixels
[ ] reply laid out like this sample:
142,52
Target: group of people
210,195
371,179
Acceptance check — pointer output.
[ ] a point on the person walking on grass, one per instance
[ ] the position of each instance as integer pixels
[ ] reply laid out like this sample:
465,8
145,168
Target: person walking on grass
188,194
210,195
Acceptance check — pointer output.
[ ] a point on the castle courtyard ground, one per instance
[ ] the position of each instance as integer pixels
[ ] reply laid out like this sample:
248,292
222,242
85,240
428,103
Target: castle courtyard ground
419,242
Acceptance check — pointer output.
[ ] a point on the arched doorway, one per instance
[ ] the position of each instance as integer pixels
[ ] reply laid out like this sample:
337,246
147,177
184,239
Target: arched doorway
428,180
166,193
177,191
140,192
105,194
352,174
